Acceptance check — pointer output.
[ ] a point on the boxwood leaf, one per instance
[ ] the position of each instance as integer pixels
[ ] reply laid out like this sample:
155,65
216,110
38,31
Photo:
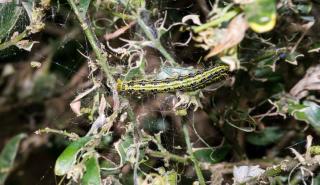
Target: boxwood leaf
7,156
92,173
11,18
267,136
211,155
307,111
83,7
124,148
68,157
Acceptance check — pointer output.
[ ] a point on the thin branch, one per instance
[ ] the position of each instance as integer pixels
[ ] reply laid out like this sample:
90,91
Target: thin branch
168,155
14,40
72,136
100,54
118,32
190,152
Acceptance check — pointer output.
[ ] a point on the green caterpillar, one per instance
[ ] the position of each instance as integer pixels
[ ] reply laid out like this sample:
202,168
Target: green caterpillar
186,83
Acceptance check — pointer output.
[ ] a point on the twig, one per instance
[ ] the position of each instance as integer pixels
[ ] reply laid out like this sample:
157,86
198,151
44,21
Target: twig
72,136
191,155
168,155
118,32
101,58
14,40
136,140
290,165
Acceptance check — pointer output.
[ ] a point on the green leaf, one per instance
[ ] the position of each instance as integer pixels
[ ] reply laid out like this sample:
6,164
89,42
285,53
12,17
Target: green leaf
304,8
267,136
210,155
136,70
83,7
125,149
261,15
92,174
155,125
28,6
314,48
68,157
108,167
12,18
7,156
317,180
291,58
172,177
312,114
264,70
308,111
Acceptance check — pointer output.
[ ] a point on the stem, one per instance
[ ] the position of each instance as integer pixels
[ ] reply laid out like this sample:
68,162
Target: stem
168,155
101,58
14,40
227,16
155,41
190,152
93,42
72,136
136,140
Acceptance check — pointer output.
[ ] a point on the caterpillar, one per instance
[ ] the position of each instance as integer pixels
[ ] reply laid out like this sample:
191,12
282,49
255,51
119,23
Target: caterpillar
187,83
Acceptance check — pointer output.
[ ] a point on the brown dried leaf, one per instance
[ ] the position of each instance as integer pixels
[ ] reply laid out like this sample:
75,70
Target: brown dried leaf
311,81
86,92
103,105
8,70
76,104
76,107
118,32
234,35
25,44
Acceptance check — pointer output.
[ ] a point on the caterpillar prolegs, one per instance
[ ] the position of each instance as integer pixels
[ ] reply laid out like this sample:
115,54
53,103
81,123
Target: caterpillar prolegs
186,83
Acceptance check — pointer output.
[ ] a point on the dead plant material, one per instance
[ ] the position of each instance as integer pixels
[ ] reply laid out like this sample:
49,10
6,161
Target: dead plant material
233,35
118,32
310,82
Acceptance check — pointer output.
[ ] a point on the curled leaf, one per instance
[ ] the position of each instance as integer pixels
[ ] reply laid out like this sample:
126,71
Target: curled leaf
194,18
25,44
233,35
310,81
